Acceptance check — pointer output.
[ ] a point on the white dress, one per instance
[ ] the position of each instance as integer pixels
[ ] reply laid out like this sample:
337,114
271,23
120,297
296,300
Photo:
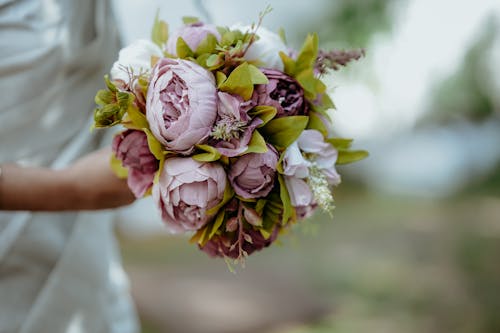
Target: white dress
59,272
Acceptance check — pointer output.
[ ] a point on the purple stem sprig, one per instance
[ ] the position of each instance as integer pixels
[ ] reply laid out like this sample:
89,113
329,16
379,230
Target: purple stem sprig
336,58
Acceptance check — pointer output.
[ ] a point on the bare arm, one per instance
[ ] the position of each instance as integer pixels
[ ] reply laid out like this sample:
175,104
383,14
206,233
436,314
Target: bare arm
86,185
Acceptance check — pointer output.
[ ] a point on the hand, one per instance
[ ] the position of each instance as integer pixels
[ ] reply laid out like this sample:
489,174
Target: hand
87,184
95,184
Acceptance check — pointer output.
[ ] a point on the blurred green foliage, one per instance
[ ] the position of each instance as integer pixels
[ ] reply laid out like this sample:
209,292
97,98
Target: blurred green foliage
466,94
352,23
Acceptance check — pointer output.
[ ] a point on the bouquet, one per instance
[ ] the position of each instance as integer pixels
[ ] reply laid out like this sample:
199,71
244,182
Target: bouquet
227,128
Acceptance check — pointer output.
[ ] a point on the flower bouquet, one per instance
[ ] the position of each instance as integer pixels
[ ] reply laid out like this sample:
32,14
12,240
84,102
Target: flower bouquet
227,128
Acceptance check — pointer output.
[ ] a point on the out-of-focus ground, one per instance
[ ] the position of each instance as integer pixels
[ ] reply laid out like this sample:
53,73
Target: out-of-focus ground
383,264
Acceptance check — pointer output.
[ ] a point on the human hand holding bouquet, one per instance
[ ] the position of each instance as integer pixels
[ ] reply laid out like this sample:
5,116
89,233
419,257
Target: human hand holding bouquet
228,129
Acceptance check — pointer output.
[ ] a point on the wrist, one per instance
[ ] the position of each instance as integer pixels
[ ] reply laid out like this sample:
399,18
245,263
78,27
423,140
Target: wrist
74,189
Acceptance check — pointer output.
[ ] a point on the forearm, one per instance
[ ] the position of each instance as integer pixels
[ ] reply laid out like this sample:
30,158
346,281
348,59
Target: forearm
87,184
35,189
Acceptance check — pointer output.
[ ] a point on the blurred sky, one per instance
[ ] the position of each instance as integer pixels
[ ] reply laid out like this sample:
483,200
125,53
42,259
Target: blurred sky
380,99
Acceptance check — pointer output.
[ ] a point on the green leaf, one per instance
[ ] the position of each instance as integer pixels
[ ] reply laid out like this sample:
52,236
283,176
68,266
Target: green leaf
282,132
156,178
257,144
289,63
113,105
155,146
308,54
203,236
183,49
148,192
117,167
135,119
340,143
264,112
282,34
212,154
220,77
107,116
259,207
124,99
257,76
228,195
187,20
202,59
288,210
196,237
266,234
159,33
215,61
217,223
110,111
279,166
326,102
110,85
228,38
311,84
222,30
272,211
104,97
207,45
351,156
316,123
239,82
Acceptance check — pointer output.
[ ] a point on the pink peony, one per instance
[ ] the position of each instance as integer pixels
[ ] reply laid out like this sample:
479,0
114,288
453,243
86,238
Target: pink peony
181,104
193,35
282,92
252,175
186,190
131,148
233,129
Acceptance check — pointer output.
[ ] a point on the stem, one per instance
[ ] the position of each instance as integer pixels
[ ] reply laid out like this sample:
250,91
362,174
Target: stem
262,14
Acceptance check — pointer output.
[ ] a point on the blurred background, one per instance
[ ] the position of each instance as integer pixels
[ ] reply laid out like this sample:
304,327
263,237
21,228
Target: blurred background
414,243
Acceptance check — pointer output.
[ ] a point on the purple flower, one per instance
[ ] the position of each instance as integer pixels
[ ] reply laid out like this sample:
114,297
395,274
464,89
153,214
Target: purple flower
252,175
233,128
186,190
131,148
193,35
226,245
181,104
282,92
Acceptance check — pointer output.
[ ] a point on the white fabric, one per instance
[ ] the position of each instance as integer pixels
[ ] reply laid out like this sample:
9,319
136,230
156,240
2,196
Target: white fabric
58,272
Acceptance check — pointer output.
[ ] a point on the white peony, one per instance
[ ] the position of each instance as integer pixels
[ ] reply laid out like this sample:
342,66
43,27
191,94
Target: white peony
294,163
311,158
135,58
265,49
324,157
